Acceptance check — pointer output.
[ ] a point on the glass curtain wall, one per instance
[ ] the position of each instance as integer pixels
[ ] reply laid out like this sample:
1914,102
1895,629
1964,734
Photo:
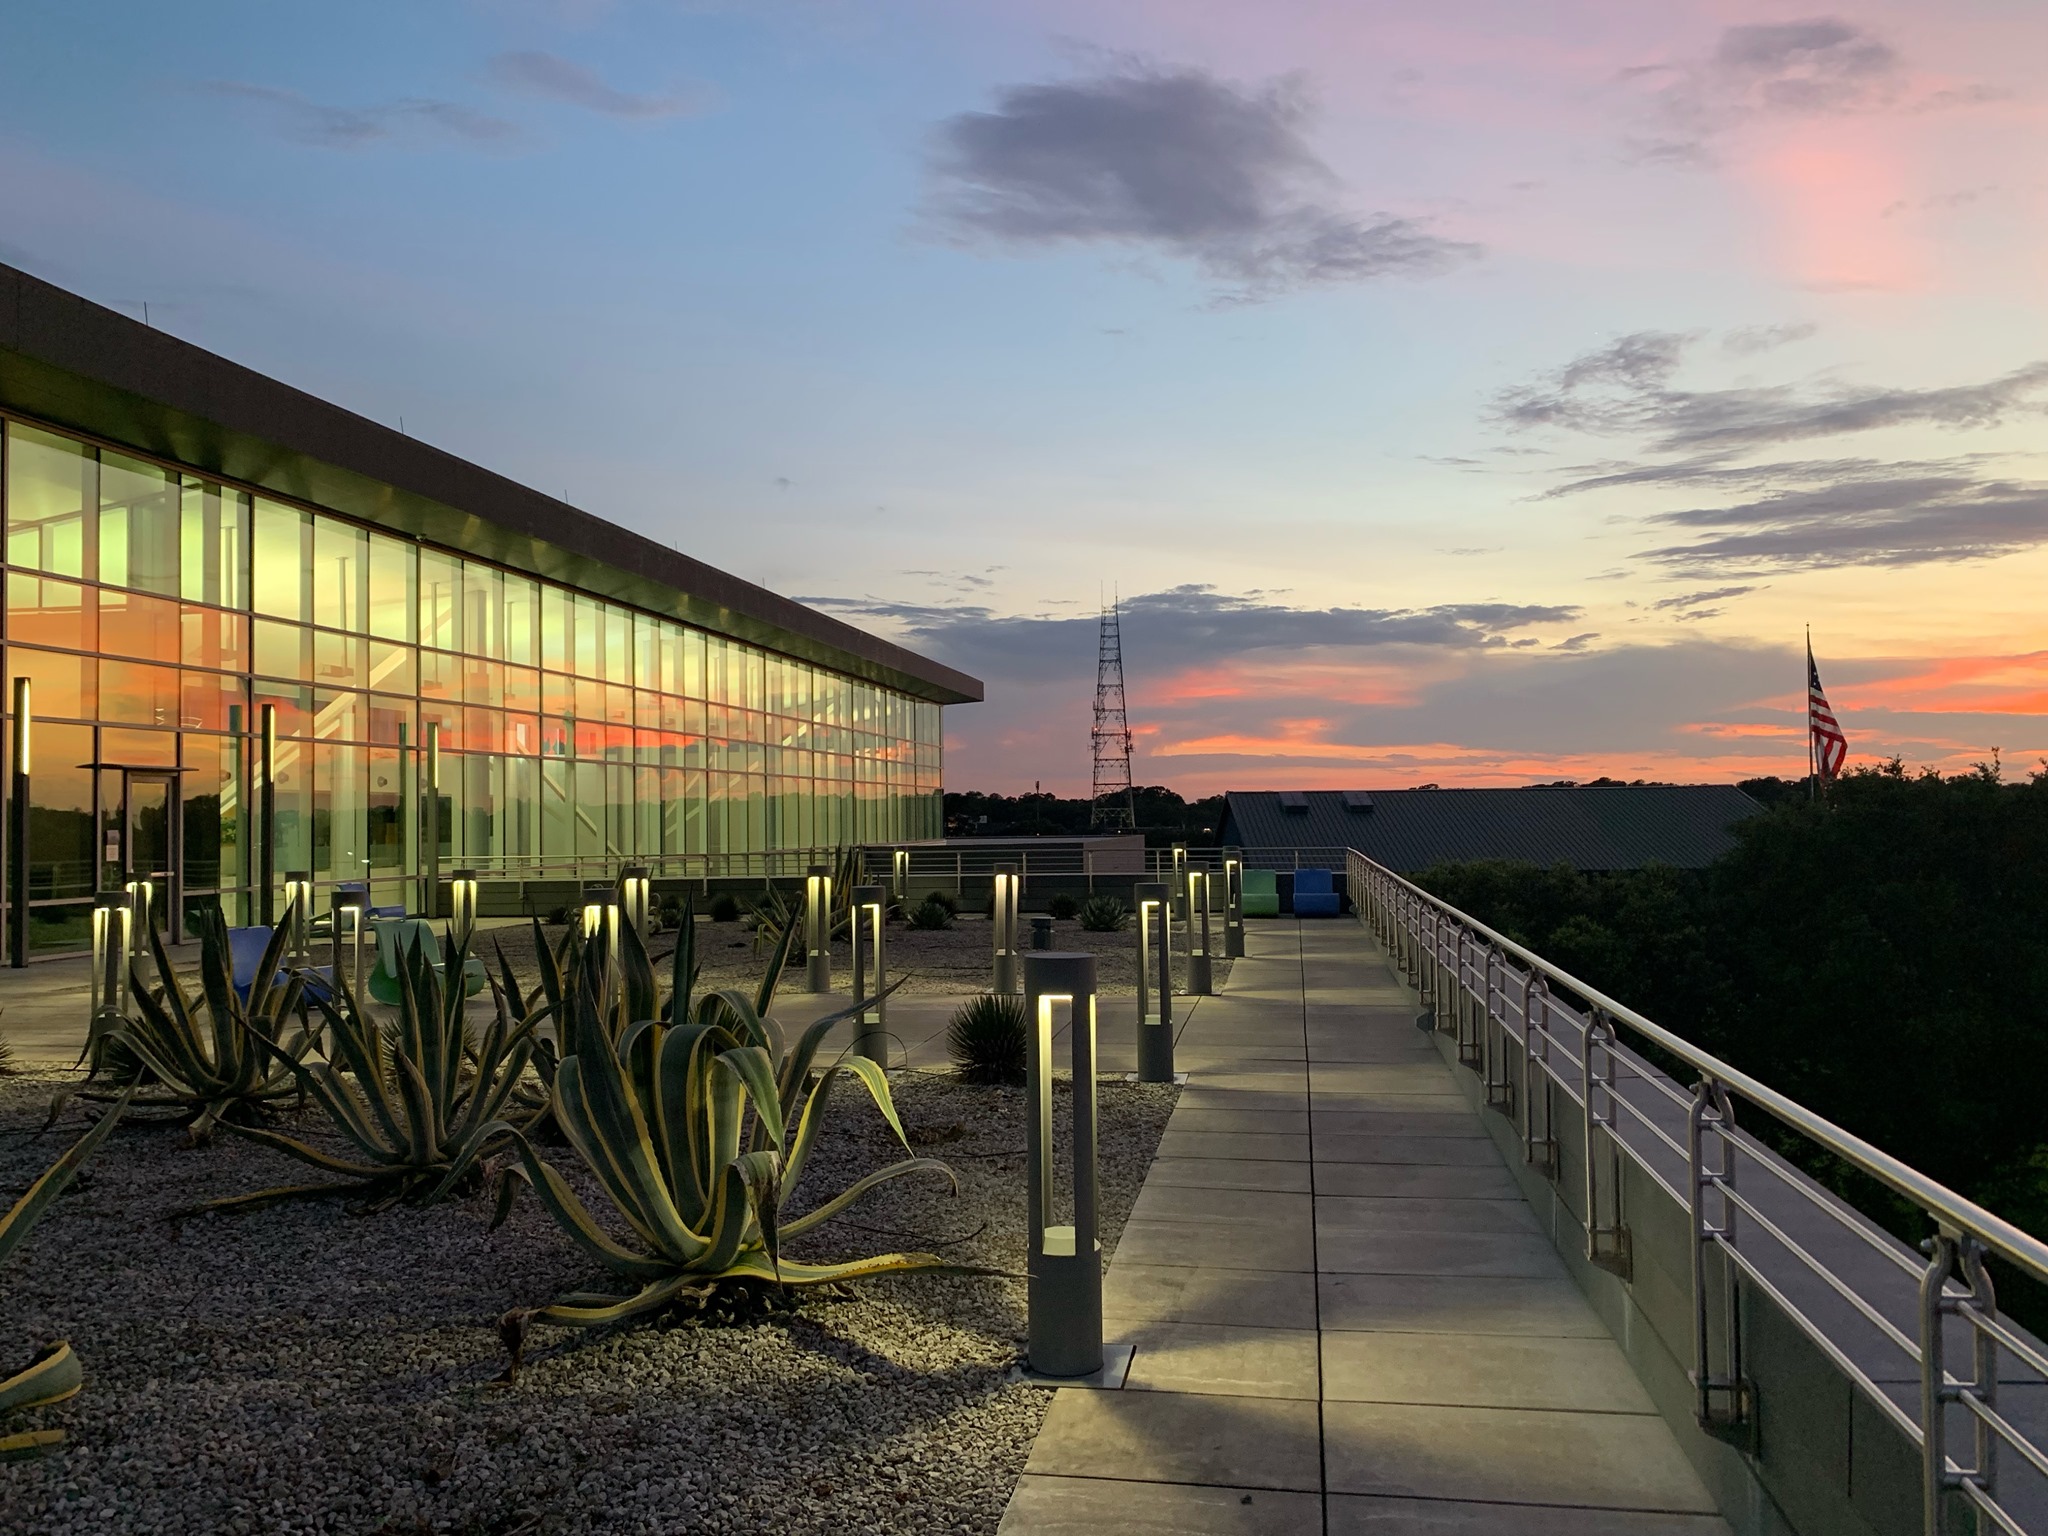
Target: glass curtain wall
156,613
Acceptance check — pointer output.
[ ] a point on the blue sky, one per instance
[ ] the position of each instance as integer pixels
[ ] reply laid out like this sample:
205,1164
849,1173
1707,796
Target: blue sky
1302,325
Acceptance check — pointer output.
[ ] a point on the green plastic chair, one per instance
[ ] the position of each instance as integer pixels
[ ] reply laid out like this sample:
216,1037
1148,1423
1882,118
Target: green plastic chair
394,939
1261,893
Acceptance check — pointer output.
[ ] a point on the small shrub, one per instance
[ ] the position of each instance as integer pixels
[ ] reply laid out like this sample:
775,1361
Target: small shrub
1105,914
1063,907
986,1039
725,908
8,1066
559,917
669,911
947,900
933,912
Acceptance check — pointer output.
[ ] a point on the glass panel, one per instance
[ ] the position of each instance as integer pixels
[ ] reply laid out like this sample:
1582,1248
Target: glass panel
341,831
392,720
586,635
340,661
293,702
341,575
134,694
557,811
440,600
483,603
384,829
50,482
56,613
61,687
205,700
284,562
440,676
140,525
211,639
61,847
204,813
147,628
294,846
554,629
139,749
392,573
282,650
392,668
618,645
213,561
521,613
340,716
522,688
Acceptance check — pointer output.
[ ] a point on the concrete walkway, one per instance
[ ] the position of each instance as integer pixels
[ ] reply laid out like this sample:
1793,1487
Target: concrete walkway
1346,1319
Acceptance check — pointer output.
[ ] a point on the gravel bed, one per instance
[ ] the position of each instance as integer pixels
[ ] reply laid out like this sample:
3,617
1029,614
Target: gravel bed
305,1369
947,961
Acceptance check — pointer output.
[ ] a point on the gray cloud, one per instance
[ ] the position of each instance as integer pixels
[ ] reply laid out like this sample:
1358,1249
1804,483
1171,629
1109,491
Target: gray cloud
1689,600
1748,340
554,78
1906,520
1177,162
1188,624
306,121
1625,388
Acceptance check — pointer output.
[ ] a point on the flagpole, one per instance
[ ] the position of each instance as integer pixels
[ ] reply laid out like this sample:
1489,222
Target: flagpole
1812,765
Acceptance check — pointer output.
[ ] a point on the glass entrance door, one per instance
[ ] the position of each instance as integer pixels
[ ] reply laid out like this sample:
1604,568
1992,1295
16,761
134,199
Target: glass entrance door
145,842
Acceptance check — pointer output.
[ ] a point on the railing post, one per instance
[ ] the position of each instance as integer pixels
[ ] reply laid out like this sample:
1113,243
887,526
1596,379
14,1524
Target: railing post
1935,1393
1720,1401
1500,1083
1607,1243
1538,1151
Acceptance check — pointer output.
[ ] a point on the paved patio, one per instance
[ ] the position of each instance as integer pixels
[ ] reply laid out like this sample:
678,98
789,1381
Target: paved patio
1347,1320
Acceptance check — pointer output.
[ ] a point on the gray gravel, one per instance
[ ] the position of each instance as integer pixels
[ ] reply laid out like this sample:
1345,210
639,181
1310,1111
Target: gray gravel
303,1369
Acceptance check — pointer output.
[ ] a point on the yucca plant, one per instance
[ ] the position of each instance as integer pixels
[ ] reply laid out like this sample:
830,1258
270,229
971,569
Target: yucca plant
206,1057
417,1104
54,1374
987,1038
696,1122
932,913
1105,914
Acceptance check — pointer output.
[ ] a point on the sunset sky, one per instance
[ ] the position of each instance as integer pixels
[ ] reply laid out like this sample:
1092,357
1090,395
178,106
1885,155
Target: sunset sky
1473,393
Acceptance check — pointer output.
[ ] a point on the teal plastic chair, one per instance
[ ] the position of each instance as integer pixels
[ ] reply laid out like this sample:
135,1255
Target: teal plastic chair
1261,893
394,939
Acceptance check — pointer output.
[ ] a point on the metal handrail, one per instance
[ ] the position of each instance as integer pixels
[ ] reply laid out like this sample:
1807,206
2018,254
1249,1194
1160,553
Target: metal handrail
1462,970
1966,1216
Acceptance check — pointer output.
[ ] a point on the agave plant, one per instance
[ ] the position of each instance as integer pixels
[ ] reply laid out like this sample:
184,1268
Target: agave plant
54,1373
988,1038
417,1104
1105,914
776,913
206,1057
697,1122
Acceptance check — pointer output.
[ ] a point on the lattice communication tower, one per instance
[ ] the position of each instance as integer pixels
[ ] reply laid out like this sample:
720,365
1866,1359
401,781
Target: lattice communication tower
1115,807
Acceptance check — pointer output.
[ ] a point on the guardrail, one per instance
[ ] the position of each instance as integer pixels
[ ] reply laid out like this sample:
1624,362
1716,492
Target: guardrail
1899,1325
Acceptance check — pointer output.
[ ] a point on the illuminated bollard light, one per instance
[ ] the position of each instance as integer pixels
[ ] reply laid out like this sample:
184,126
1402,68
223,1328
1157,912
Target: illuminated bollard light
1155,982
17,826
141,898
818,929
1064,1267
1233,903
868,938
601,921
351,920
1003,915
899,874
1201,974
298,912
1179,881
113,940
462,892
636,899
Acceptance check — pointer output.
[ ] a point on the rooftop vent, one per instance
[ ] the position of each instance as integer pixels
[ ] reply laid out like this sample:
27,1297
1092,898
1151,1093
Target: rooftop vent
1357,800
1294,802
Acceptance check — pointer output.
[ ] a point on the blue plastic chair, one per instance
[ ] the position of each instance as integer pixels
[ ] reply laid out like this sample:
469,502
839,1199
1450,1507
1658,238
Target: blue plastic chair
1315,893
245,953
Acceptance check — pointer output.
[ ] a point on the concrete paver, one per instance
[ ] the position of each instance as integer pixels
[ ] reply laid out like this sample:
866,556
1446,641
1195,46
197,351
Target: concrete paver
1346,1319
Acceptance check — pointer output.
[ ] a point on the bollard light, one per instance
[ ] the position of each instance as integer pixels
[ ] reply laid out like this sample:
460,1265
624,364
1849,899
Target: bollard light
868,936
1233,903
1009,890
351,919
636,899
601,921
1155,982
818,929
1064,1267
1041,933
899,873
1179,884
113,941
298,910
266,818
1201,974
141,898
462,893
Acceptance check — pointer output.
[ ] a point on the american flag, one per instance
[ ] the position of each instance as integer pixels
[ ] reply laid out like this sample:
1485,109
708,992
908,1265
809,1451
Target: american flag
1826,742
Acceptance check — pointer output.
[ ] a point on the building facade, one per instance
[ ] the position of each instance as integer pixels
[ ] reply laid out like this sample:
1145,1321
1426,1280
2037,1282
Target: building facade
441,696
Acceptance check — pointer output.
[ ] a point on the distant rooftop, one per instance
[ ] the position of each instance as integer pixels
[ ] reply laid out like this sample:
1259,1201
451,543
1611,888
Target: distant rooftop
1606,827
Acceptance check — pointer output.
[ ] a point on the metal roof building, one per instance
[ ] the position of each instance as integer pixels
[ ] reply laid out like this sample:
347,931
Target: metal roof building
1607,827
